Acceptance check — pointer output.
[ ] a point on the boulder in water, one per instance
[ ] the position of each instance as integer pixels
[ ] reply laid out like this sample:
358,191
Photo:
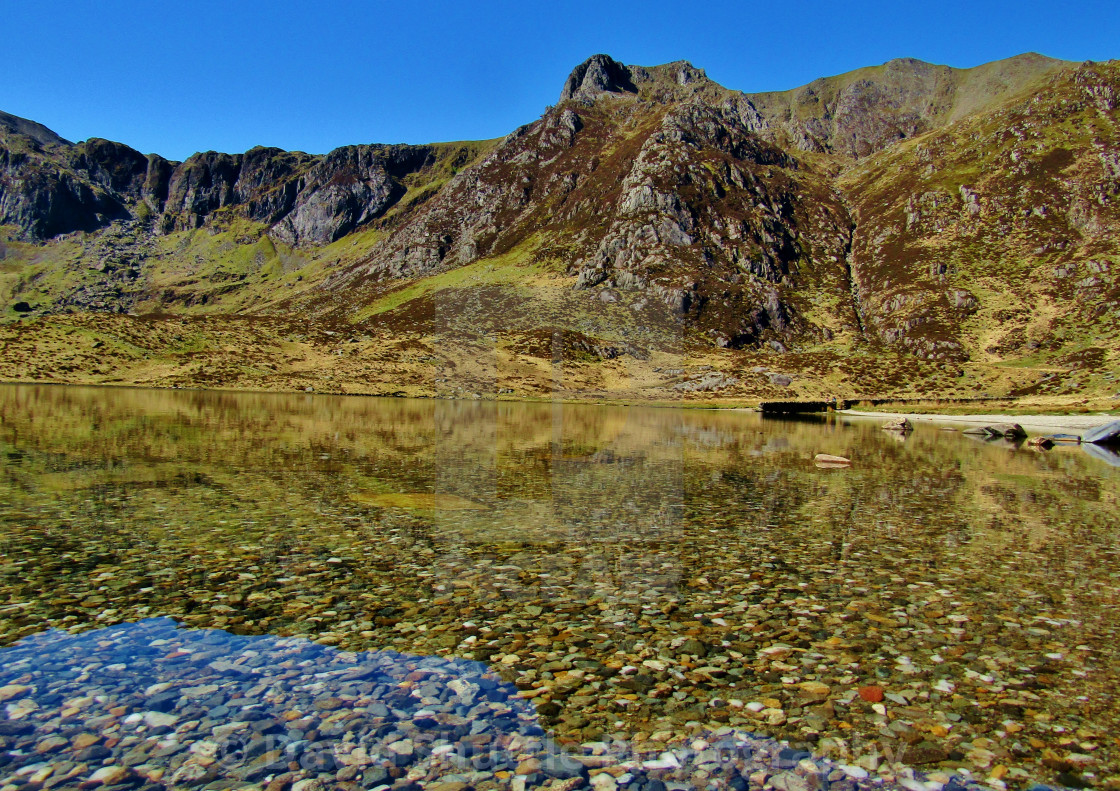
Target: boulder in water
1009,430
1108,434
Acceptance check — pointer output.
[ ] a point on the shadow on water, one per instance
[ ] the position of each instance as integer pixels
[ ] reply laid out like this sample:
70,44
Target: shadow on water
152,705
191,706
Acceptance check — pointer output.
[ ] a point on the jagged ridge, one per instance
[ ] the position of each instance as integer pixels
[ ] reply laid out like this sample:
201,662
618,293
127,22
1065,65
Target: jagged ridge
49,187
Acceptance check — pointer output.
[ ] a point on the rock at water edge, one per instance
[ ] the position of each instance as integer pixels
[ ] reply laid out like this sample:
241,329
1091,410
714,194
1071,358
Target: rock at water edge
1108,434
1009,430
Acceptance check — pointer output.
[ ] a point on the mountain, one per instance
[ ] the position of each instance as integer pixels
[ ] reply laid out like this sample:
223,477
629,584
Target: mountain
866,110
14,125
905,229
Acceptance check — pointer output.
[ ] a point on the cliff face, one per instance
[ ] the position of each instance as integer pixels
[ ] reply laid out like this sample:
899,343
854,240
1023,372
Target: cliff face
953,216
52,188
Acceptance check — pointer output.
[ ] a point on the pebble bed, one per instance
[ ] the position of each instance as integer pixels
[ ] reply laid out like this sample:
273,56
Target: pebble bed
652,581
152,706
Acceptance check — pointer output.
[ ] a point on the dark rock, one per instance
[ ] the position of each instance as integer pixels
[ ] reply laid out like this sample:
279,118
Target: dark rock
563,766
1009,430
15,728
375,776
97,752
1072,780
163,702
596,75
694,647
788,758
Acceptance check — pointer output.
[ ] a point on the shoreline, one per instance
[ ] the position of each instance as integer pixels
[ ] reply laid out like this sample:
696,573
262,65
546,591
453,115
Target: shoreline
1040,423
1032,424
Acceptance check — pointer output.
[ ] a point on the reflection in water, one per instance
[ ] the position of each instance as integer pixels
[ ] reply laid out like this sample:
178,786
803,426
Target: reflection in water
633,570
1109,455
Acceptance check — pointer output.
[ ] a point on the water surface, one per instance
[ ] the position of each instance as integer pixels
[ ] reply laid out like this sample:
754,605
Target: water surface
636,573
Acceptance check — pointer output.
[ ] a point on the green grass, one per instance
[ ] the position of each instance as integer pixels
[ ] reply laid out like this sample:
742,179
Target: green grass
352,245
509,269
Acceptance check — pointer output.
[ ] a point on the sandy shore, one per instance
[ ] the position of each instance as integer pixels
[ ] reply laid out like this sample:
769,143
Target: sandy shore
1032,424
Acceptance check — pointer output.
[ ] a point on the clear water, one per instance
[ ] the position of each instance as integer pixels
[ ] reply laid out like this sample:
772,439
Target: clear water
632,571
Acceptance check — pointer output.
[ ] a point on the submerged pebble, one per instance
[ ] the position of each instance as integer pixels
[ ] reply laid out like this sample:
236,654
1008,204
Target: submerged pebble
691,575
182,708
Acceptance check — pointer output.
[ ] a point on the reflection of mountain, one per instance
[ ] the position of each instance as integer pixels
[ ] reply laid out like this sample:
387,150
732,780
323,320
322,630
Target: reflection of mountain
542,473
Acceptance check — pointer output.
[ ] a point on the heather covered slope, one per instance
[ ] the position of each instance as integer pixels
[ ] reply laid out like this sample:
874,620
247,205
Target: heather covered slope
675,205
994,240
904,229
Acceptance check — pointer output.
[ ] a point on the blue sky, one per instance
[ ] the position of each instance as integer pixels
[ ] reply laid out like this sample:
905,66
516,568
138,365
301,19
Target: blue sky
175,78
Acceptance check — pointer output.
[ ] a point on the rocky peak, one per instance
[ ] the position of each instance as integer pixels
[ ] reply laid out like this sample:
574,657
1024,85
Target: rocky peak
685,73
597,75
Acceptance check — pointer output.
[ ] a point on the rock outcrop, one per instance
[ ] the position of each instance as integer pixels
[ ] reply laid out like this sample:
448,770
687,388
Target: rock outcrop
597,75
698,212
